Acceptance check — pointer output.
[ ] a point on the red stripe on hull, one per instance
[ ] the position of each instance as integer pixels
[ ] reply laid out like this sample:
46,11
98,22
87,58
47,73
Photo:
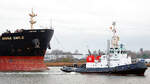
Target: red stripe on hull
22,63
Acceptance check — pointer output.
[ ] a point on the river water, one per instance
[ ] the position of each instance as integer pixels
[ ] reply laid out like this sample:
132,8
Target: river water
55,76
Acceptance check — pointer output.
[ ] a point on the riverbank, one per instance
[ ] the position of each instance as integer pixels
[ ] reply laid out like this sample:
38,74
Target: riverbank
63,63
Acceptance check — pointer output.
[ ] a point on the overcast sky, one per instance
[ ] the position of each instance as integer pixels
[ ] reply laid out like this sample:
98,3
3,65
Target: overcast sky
82,24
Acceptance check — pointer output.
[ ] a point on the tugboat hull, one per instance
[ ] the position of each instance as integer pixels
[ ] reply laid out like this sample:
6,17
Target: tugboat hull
137,68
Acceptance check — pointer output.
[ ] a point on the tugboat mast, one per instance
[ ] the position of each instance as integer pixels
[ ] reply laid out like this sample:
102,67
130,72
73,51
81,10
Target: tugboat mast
114,42
32,14
115,37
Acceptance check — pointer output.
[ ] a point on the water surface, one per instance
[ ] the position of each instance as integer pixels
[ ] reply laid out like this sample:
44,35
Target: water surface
55,76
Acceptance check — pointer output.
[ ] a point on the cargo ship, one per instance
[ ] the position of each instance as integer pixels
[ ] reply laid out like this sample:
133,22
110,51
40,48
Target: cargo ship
24,49
115,61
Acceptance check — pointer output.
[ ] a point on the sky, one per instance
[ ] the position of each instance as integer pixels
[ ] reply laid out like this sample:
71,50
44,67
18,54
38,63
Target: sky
82,24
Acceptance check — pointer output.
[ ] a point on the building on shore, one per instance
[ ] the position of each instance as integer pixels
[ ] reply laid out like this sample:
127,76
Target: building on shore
49,56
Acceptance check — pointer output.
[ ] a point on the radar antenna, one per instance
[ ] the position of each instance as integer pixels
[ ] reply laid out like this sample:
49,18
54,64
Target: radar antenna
32,14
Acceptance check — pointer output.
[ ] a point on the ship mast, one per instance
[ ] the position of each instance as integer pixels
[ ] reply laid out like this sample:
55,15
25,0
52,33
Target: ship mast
115,37
51,23
32,14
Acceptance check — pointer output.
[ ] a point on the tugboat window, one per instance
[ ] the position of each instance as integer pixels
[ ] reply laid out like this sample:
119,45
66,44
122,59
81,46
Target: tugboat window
118,52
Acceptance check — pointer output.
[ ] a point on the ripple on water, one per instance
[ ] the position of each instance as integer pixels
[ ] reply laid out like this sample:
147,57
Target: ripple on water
56,76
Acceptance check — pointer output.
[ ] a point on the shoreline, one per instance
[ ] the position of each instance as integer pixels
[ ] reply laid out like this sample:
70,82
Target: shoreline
49,64
63,63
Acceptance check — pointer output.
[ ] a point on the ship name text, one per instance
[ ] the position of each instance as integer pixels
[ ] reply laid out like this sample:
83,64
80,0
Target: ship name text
13,38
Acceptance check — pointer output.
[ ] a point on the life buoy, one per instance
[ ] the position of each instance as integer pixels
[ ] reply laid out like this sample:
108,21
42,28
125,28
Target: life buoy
98,58
90,58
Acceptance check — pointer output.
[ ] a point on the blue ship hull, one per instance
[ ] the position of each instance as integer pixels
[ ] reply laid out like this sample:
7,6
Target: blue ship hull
137,68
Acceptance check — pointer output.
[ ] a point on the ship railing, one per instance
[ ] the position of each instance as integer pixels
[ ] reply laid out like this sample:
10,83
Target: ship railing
19,30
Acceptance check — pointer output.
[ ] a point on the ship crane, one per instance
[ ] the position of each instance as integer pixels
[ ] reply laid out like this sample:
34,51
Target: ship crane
32,15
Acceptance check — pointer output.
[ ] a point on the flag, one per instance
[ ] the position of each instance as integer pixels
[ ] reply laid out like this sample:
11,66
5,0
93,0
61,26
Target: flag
110,28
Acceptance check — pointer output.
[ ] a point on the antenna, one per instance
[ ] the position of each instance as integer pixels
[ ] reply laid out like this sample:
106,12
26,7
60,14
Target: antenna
89,52
108,55
114,29
32,15
99,52
51,24
108,46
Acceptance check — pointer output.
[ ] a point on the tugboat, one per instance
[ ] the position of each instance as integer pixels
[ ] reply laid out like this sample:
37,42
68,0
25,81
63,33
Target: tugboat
115,61
24,49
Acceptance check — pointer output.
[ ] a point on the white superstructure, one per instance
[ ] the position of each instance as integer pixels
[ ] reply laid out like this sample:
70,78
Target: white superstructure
116,54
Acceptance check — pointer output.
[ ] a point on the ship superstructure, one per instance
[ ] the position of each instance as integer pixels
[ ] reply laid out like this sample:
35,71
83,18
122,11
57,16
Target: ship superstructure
116,54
